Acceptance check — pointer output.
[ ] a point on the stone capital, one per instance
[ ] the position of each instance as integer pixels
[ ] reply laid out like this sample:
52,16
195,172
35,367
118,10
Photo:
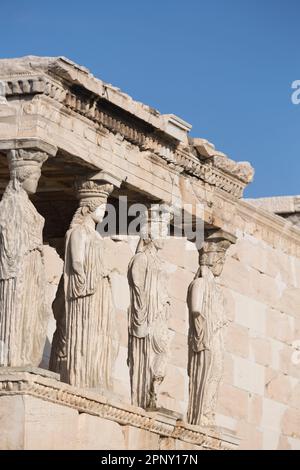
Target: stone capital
96,187
213,250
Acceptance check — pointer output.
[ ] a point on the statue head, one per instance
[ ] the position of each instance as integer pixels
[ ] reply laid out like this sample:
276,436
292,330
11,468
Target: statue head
213,251
93,196
25,168
30,179
155,225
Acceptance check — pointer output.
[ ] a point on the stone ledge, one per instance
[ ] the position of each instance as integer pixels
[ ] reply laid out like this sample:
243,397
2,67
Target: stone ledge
40,384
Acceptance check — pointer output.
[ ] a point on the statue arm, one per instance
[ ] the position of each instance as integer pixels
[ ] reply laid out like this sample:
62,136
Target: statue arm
197,315
76,278
196,297
77,251
138,275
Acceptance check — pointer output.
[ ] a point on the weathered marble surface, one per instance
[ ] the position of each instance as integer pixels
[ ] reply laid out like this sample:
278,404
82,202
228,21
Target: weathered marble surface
207,320
23,311
53,106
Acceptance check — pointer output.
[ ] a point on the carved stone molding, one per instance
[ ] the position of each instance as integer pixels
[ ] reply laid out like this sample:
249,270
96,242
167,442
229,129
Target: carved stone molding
34,383
113,111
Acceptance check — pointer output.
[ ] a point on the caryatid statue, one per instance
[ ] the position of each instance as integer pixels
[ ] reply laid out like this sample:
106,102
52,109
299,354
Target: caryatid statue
91,333
149,335
206,325
23,312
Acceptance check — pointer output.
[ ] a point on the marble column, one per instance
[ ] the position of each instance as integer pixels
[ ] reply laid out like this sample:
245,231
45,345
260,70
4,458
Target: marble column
149,336
85,343
23,311
207,321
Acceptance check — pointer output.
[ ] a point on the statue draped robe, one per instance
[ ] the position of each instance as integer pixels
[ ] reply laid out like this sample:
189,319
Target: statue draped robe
149,336
205,363
23,313
58,357
91,334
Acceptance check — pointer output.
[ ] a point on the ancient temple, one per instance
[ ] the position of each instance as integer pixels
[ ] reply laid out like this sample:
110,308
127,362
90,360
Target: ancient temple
178,329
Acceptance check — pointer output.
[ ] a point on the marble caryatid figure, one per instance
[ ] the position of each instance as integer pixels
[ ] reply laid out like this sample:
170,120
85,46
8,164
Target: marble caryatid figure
206,325
91,334
149,335
23,312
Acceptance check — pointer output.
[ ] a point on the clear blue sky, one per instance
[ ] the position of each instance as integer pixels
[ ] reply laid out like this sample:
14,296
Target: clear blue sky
225,66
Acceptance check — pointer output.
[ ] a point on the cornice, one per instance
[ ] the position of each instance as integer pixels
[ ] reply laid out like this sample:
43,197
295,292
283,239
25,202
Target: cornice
273,229
107,116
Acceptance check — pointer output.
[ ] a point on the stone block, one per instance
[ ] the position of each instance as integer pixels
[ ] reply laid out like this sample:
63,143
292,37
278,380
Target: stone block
278,386
122,325
276,348
251,437
272,415
122,390
250,313
226,422
179,251
95,433
255,403
291,423
174,383
235,276
256,255
287,363
232,402
12,416
179,350
295,396
287,266
179,283
120,255
169,403
179,318
229,303
289,301
121,370
228,368
140,439
295,265
280,326
49,426
271,440
249,376
260,351
237,340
